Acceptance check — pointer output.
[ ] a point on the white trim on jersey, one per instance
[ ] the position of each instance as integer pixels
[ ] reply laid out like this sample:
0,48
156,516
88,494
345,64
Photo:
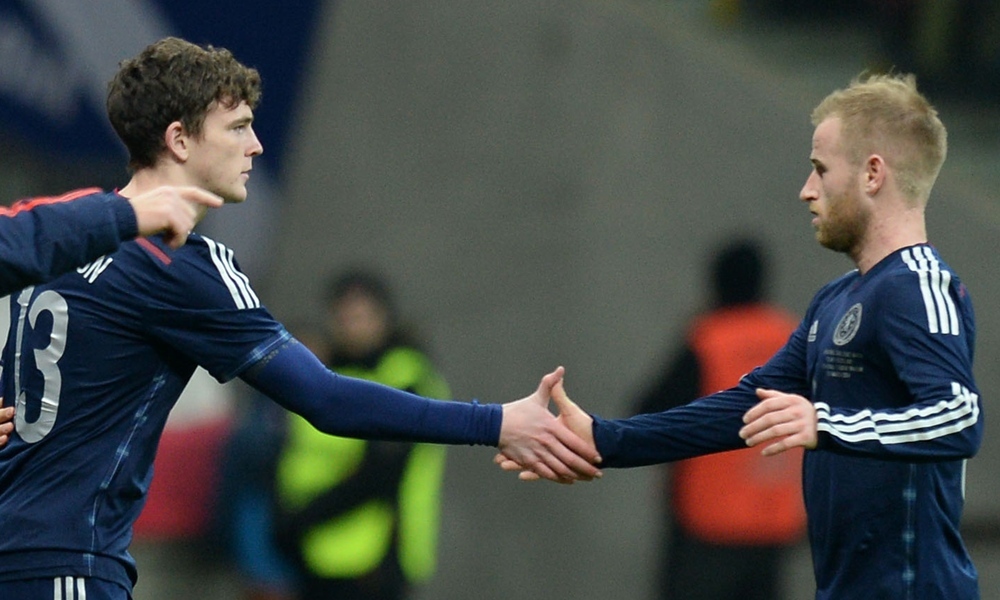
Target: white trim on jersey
942,317
913,425
237,283
75,588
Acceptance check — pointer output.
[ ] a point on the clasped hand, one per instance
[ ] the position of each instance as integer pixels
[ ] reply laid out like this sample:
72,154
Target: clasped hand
541,445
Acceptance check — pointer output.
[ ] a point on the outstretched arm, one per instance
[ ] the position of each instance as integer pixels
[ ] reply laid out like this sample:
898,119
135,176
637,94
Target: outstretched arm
339,405
41,238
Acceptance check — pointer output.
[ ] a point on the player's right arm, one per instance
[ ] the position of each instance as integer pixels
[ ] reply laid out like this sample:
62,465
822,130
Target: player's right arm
524,430
202,305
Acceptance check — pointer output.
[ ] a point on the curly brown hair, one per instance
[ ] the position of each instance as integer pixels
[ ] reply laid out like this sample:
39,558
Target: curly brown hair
173,80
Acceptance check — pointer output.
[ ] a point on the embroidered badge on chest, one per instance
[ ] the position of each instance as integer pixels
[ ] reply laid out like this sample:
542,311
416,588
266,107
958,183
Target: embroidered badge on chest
848,326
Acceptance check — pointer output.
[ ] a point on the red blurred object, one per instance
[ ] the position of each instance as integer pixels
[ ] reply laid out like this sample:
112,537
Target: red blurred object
182,495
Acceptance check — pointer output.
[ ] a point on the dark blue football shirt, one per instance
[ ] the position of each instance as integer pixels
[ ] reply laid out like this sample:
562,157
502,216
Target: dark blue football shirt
96,359
886,358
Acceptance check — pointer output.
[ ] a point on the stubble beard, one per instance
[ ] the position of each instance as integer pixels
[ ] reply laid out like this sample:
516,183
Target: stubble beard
844,228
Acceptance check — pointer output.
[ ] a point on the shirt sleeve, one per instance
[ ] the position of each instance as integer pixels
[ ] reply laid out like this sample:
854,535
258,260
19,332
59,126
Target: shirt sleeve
292,376
203,308
197,301
45,237
707,425
926,330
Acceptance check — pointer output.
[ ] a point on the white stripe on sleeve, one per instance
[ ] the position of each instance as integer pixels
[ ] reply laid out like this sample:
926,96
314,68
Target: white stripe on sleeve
914,425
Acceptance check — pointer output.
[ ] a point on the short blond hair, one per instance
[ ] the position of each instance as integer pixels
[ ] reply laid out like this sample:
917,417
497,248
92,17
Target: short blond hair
884,114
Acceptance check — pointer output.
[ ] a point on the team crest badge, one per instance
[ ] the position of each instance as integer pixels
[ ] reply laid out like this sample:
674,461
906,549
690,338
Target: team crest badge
848,326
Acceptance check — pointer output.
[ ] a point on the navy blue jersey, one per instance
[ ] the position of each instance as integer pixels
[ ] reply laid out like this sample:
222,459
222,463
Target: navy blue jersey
96,359
44,237
73,476
886,359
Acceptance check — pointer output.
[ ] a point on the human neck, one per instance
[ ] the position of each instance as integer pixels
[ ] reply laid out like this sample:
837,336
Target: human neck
887,235
149,179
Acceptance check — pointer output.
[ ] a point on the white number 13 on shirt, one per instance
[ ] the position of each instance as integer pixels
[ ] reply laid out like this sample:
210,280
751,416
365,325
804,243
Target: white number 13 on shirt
46,361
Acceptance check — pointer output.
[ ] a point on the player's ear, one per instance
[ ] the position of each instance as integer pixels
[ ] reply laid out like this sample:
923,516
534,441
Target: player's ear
177,140
875,173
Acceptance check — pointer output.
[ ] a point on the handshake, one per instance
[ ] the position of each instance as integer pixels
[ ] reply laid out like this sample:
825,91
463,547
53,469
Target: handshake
540,445
561,447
